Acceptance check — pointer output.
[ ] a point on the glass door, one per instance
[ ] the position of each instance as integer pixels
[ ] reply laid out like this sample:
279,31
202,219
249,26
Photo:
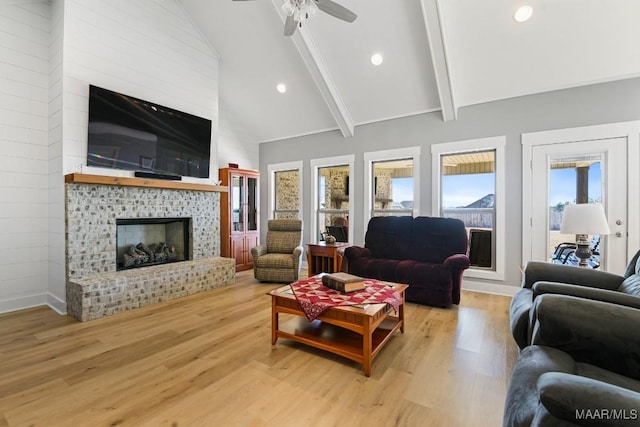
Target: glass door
237,203
252,205
580,172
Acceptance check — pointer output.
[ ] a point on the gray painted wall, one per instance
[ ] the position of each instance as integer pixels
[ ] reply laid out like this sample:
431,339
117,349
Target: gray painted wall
611,102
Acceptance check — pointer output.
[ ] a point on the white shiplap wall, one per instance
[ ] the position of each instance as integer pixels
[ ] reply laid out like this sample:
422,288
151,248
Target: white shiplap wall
148,49
56,297
49,54
24,88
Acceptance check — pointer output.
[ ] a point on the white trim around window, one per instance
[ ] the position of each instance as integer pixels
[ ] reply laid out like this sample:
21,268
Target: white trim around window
313,208
498,144
271,184
377,156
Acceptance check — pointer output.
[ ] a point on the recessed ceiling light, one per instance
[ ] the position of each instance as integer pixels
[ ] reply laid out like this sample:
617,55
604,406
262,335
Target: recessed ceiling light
376,59
281,87
523,13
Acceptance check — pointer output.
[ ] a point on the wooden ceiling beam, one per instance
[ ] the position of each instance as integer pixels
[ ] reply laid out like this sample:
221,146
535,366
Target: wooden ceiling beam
321,75
436,35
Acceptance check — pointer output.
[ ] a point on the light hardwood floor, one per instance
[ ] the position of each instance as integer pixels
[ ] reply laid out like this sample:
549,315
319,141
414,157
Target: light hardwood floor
207,360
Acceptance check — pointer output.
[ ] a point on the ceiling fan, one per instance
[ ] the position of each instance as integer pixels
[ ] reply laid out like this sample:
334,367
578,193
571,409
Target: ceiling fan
299,11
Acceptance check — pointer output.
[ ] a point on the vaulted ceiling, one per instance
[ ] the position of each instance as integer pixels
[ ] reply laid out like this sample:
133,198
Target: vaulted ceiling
439,55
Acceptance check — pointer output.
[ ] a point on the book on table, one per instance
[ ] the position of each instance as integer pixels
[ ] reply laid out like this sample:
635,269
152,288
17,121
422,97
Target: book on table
343,282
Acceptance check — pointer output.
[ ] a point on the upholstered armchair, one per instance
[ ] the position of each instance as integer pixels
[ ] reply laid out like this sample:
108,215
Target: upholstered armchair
546,278
280,259
582,367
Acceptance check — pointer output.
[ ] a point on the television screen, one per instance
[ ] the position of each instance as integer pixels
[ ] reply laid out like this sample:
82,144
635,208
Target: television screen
132,134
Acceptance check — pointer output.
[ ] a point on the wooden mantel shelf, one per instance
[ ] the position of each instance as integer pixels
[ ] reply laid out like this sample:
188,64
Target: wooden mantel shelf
83,178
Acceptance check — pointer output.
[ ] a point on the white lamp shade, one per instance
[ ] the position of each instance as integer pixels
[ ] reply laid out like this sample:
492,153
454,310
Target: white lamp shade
584,218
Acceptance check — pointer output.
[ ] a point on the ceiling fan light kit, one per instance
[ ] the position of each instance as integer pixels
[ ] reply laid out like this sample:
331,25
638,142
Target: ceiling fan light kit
298,11
301,10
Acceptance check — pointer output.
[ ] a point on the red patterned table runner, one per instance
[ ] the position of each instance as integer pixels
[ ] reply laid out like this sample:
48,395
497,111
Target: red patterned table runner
314,298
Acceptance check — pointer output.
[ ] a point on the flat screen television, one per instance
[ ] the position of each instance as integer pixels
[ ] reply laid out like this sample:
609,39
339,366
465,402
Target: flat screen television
132,134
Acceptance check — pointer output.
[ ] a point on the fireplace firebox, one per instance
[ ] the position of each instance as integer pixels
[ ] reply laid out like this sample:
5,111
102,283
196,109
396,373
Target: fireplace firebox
141,242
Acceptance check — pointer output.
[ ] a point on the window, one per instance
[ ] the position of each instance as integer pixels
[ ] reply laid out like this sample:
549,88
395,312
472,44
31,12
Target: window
287,195
285,190
392,190
333,198
468,184
332,186
468,188
390,177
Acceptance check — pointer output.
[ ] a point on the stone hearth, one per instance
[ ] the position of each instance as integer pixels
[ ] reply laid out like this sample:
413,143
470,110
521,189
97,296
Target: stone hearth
94,204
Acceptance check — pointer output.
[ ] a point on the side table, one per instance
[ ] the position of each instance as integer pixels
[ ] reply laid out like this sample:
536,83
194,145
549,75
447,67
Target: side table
324,257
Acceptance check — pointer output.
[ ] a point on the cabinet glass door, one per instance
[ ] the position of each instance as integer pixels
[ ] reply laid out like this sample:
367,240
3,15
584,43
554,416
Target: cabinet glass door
252,204
237,205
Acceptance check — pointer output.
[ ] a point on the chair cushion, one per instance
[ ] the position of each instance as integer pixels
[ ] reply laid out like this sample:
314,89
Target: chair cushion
275,260
283,242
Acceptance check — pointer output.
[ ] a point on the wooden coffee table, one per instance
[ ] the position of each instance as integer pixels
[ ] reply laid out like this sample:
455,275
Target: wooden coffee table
355,332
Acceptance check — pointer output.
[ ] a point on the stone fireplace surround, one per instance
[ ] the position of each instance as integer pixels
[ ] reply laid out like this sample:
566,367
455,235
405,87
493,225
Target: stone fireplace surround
93,203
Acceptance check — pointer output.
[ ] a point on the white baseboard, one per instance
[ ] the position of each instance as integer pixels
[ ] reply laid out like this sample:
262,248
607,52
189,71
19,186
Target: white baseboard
489,288
22,302
56,304
35,300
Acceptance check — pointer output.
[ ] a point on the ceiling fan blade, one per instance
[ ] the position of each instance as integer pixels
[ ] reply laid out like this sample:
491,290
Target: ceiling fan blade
290,26
334,9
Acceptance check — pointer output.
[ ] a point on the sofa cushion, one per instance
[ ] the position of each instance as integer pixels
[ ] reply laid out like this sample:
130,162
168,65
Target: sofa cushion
427,282
387,234
434,239
375,268
633,266
522,396
631,285
567,396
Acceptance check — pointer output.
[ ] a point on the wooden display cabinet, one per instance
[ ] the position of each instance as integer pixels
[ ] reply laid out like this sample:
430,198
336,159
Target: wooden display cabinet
239,219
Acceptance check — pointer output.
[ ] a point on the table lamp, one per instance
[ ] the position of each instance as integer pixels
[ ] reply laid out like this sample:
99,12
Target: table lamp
582,220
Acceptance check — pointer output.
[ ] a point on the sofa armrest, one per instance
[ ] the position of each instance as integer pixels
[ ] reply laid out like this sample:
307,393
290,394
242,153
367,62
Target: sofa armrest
297,256
457,262
585,401
354,252
258,251
597,294
595,332
519,316
537,271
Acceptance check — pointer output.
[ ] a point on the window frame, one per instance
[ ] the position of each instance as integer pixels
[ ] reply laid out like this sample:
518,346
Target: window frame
498,144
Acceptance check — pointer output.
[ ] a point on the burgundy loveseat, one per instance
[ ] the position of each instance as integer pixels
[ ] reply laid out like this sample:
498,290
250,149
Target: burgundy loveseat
427,253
